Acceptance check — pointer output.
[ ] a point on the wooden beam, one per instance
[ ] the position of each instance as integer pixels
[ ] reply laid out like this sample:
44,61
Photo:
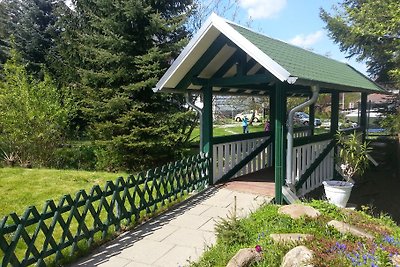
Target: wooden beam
250,64
334,127
207,127
227,65
242,63
334,112
279,142
204,60
363,116
233,81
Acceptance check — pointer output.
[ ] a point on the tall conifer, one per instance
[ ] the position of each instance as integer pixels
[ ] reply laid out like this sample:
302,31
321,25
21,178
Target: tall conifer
118,51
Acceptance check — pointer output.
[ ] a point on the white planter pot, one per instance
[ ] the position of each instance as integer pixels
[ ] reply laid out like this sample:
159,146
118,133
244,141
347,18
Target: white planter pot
337,192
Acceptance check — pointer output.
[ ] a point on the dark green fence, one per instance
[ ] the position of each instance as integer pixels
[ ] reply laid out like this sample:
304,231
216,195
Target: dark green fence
57,231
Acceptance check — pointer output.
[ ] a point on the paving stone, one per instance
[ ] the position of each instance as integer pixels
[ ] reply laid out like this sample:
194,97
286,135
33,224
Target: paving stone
175,236
245,257
210,225
189,221
109,262
198,209
215,212
222,198
162,233
146,251
289,238
191,238
178,256
345,228
296,211
136,264
298,257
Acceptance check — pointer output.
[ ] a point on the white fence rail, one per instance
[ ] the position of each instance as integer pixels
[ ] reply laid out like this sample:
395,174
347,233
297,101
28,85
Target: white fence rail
228,155
301,132
303,157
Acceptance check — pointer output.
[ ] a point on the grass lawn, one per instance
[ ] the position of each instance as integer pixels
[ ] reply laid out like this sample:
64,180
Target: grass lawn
236,128
329,246
20,188
229,129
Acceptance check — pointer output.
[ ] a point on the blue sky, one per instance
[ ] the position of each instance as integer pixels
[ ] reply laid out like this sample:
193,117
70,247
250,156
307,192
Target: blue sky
293,21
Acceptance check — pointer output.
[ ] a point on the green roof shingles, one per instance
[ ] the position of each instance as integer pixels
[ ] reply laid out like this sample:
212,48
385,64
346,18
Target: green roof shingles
308,65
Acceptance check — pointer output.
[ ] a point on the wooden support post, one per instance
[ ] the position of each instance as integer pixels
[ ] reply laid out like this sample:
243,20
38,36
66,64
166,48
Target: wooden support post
335,126
272,122
207,127
363,116
279,144
312,119
334,112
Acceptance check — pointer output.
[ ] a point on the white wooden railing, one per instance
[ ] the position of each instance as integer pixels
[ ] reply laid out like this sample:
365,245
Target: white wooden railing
303,157
301,132
228,155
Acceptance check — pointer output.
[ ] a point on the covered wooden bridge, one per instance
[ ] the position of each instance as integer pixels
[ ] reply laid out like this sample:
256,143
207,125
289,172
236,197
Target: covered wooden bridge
227,59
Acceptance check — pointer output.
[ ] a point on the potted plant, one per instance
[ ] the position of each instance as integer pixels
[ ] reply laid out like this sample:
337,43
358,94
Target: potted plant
352,160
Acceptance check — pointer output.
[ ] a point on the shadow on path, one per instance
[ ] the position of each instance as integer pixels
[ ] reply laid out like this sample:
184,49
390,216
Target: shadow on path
114,247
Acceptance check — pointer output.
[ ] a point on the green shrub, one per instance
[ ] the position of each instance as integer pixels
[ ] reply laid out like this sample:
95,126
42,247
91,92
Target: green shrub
79,157
32,118
108,158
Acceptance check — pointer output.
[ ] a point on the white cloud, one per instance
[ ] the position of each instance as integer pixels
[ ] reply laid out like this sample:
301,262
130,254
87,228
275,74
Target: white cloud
260,9
307,40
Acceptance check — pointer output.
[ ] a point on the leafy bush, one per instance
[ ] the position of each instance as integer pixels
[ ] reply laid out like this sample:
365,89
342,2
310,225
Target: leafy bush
330,247
353,154
32,118
79,157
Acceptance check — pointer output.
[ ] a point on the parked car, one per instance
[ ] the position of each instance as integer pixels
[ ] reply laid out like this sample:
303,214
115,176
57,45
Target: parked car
248,115
304,119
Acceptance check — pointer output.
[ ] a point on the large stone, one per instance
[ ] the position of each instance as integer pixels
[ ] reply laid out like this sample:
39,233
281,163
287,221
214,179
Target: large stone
345,228
296,211
396,260
245,257
289,238
298,257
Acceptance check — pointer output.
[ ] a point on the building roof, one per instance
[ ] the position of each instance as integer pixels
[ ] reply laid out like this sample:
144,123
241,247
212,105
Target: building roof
307,65
287,63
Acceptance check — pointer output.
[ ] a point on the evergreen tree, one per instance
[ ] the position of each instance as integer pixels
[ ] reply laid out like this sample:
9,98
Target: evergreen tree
118,50
32,25
369,30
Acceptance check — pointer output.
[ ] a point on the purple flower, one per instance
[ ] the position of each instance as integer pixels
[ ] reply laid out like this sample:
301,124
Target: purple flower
258,248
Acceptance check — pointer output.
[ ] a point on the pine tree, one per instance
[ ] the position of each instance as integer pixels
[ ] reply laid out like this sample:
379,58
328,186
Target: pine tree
369,30
119,50
31,24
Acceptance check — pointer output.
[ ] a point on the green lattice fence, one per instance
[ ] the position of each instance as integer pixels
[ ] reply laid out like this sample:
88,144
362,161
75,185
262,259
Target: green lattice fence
60,229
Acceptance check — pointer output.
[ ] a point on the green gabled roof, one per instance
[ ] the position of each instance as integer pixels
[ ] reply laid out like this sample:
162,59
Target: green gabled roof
307,65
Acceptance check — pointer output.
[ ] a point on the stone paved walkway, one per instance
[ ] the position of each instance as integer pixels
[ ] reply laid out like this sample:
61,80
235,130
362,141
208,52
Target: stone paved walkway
177,237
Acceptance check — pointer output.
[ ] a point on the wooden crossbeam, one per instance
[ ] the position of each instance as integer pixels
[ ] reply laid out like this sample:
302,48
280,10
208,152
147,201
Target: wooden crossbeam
204,60
234,81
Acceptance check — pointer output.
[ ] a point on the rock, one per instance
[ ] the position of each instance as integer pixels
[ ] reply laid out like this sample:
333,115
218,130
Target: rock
295,211
345,228
289,238
396,260
245,257
298,257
